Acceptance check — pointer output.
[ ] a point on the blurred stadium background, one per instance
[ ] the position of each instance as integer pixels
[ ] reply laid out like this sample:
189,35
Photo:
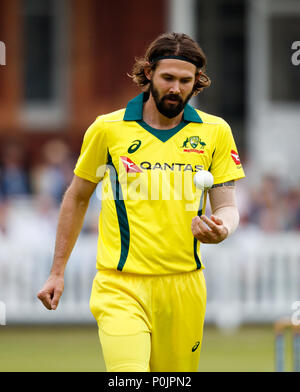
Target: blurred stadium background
67,62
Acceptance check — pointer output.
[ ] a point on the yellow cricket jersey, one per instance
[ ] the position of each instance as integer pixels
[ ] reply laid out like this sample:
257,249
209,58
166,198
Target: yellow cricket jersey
148,194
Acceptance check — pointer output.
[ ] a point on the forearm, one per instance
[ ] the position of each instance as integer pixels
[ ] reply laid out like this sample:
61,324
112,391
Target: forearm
224,205
71,216
230,217
70,222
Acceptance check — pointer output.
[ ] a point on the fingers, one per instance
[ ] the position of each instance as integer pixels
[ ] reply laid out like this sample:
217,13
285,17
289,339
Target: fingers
55,299
212,223
49,301
51,293
208,230
200,230
217,220
195,224
45,297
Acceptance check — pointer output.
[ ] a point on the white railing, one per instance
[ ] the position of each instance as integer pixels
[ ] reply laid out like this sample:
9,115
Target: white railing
250,278
24,270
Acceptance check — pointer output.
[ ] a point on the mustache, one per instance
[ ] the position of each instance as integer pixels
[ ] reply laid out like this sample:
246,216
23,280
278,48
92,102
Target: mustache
172,97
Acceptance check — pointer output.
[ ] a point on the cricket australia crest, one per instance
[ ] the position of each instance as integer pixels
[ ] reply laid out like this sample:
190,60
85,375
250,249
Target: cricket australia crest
193,144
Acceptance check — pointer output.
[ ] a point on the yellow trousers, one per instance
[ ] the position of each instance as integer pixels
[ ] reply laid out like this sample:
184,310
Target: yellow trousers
149,323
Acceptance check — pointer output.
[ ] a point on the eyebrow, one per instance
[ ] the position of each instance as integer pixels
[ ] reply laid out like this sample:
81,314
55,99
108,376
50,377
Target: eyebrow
184,77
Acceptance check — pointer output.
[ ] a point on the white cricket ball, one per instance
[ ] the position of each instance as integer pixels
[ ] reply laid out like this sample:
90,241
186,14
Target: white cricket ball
203,179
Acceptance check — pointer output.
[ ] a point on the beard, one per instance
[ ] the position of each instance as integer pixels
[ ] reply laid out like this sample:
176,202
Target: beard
168,109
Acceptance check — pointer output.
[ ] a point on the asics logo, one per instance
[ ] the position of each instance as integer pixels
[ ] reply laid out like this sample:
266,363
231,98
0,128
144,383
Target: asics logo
196,345
135,146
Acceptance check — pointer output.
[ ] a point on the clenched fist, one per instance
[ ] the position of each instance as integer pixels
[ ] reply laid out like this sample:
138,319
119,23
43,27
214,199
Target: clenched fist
51,292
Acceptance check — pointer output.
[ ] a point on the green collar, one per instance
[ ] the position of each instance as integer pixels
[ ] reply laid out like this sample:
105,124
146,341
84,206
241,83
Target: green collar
134,111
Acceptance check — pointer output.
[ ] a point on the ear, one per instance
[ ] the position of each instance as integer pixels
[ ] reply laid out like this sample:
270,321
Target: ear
198,75
148,71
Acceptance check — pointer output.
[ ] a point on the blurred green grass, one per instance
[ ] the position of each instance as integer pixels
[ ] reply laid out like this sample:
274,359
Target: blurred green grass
76,349
50,349
248,349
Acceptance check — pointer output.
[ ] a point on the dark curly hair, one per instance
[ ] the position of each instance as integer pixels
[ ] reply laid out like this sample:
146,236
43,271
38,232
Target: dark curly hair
168,44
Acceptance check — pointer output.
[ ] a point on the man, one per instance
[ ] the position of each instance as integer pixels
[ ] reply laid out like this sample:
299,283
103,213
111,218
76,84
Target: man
149,294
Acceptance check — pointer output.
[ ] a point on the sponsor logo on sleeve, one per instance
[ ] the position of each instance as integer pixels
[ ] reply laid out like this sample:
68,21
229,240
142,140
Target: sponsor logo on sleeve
235,157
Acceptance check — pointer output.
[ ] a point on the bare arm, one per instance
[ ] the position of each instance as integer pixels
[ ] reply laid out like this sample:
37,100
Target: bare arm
71,217
224,219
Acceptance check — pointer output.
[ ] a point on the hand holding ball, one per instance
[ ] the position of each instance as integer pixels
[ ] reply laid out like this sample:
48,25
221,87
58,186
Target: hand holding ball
203,180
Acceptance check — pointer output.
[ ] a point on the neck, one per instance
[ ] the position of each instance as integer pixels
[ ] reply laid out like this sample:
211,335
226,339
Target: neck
157,120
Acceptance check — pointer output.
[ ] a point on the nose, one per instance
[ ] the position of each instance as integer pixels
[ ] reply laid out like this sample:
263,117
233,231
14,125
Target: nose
175,88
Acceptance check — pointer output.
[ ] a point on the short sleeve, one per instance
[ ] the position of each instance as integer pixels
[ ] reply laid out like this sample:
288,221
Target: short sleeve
91,164
226,165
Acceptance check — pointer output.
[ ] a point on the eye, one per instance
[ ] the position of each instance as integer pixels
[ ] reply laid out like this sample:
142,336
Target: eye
185,81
